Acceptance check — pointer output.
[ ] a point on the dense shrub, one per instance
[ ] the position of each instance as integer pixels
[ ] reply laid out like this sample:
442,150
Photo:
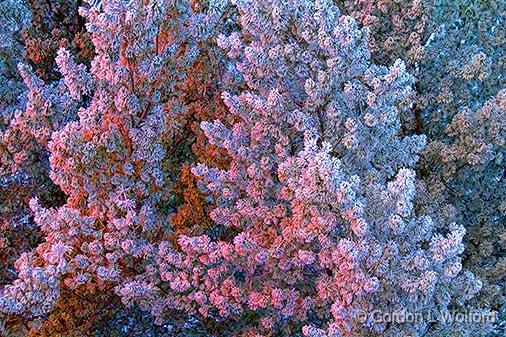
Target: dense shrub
251,167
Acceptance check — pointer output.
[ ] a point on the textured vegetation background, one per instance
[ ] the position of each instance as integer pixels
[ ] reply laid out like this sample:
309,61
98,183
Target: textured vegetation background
252,167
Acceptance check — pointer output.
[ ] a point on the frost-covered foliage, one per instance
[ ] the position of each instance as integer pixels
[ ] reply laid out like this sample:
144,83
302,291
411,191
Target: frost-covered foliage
30,110
465,63
454,48
110,161
398,27
55,24
251,167
465,174
14,16
40,109
459,65
26,122
320,187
